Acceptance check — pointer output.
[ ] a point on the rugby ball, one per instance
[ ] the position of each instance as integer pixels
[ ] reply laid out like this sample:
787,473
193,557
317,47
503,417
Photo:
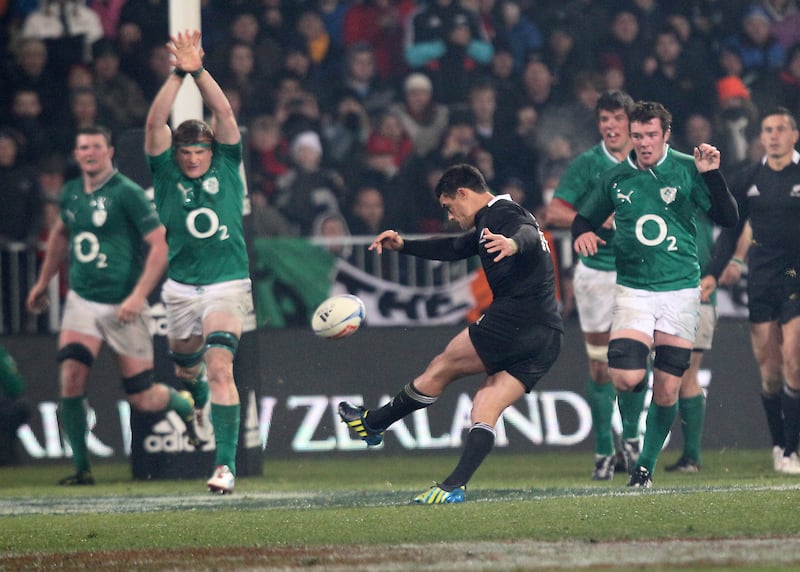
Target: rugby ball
338,316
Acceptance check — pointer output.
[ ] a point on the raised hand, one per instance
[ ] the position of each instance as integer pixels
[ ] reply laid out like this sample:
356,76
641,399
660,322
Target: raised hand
186,50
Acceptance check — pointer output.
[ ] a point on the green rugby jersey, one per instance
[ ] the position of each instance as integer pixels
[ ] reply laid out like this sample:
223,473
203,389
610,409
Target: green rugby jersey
106,230
655,217
576,185
203,217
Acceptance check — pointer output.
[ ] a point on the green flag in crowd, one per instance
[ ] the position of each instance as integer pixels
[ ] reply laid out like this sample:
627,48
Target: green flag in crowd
291,277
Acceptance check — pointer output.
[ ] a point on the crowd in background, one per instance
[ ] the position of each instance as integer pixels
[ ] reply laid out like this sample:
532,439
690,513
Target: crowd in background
353,109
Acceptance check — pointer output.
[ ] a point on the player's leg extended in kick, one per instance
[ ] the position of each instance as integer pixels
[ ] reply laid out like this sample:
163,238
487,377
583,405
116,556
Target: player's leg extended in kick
457,360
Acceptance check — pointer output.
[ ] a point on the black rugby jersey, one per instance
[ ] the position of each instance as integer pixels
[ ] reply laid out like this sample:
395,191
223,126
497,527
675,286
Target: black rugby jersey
770,200
524,282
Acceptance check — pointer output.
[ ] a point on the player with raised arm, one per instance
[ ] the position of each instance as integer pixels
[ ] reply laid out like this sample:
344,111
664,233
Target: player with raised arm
594,282
654,196
106,220
515,342
199,194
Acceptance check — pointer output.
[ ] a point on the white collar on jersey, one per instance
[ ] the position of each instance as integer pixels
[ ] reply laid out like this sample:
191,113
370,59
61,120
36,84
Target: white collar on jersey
505,197
795,158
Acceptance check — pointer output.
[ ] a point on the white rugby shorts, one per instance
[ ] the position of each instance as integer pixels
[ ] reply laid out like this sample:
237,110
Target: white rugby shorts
706,327
100,320
594,297
188,306
676,312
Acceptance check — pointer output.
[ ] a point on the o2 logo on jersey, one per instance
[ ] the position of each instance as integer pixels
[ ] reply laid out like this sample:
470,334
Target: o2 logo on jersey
203,223
86,249
661,235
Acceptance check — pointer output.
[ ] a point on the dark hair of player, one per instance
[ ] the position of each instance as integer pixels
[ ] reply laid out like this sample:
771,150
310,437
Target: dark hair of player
458,176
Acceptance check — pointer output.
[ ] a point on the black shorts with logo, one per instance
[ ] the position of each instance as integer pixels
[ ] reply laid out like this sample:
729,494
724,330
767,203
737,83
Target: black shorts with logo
511,342
778,301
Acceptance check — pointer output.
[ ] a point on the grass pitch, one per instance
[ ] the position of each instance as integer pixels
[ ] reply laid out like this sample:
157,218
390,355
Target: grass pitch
523,512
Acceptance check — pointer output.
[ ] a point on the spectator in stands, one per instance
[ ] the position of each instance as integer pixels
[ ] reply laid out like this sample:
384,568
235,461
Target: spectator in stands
539,85
307,189
445,41
333,13
296,108
676,79
784,16
345,133
269,156
506,83
326,57
28,120
755,44
19,192
157,70
495,139
736,116
379,24
422,116
109,12
30,70
117,93
566,55
573,119
518,32
68,26
80,76
698,128
650,17
789,81
390,137
622,46
245,28
240,74
366,213
332,225
360,79
84,110
144,23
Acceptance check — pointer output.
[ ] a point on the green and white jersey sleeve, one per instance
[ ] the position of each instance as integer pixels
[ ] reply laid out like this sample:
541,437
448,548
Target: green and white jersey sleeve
203,216
106,230
576,185
655,218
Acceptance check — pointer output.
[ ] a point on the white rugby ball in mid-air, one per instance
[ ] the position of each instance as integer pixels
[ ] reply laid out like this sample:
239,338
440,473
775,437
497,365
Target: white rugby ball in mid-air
338,316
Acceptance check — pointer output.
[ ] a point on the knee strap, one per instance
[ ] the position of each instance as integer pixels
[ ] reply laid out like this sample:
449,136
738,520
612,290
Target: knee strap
139,382
625,353
672,360
224,340
76,351
187,360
